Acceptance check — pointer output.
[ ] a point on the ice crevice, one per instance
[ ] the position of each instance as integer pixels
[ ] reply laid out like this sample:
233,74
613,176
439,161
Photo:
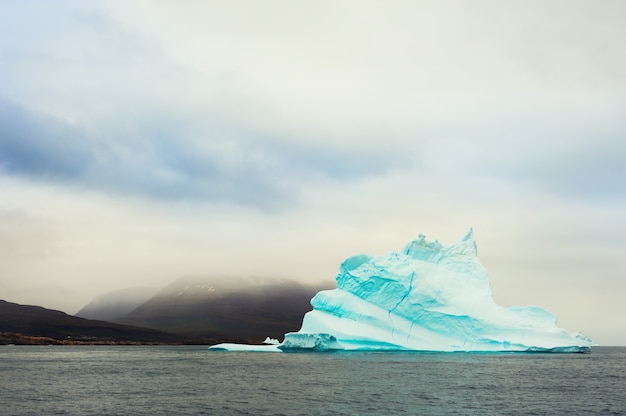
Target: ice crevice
402,299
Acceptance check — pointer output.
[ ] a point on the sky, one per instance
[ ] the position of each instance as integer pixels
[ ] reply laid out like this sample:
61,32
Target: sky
144,141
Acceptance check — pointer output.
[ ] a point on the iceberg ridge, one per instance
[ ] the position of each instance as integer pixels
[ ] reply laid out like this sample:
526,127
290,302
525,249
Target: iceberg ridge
427,297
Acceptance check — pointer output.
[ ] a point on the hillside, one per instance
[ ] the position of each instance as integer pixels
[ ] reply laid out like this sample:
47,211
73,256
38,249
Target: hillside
35,321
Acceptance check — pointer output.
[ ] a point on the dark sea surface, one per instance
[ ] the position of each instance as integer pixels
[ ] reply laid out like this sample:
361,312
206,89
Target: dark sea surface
151,380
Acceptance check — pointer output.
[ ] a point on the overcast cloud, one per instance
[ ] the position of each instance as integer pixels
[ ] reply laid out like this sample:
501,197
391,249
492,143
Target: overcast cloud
141,141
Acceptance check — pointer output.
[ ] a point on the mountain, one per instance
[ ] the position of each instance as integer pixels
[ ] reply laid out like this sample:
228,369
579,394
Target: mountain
232,308
35,321
116,304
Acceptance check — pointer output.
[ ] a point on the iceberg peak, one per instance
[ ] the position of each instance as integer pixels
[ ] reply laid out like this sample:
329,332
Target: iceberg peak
466,245
427,297
421,248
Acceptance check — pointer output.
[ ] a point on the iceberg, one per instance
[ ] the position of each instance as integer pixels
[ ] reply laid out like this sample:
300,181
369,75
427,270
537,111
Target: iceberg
427,297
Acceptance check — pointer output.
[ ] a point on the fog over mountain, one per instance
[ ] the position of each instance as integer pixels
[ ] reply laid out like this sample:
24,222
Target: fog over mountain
249,308
118,303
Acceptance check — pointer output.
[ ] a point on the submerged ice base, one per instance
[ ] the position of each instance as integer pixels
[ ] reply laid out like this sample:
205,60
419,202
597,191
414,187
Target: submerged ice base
427,297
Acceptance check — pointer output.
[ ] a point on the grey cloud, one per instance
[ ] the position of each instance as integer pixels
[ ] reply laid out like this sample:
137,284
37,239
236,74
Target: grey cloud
573,161
160,119
226,164
566,152
597,172
148,126
156,116
161,158
43,148
38,145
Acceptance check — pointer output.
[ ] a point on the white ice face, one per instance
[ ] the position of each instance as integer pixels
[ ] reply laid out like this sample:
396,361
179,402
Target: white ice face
427,297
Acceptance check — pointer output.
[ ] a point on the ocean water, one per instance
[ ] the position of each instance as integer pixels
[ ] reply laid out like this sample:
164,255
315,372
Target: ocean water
190,380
